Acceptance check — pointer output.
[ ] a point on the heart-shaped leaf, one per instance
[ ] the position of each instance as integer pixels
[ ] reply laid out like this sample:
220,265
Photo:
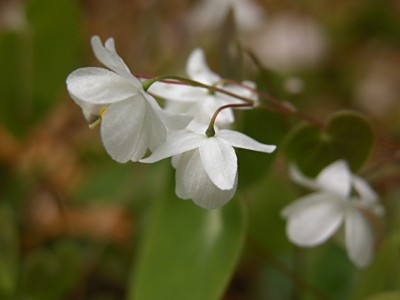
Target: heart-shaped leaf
346,135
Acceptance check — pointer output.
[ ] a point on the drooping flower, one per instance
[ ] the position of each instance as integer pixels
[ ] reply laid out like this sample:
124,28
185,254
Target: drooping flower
199,102
340,198
206,167
132,120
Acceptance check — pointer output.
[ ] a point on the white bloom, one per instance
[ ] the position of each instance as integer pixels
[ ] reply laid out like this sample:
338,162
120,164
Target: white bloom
199,102
340,197
132,120
290,42
208,14
206,167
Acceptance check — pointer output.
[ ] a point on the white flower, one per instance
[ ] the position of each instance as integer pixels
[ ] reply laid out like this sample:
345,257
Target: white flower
208,14
341,197
206,167
199,102
132,120
290,42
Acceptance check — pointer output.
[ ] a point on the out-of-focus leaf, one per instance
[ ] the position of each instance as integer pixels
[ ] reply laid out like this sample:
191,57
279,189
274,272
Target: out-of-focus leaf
9,253
328,269
13,110
36,59
347,135
227,52
265,127
266,200
55,47
392,295
48,273
188,252
383,274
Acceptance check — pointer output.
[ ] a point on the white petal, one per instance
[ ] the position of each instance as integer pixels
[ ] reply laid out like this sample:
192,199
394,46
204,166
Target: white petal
180,163
364,190
99,86
175,121
336,178
197,68
359,238
300,179
313,219
178,92
109,57
175,160
240,140
219,161
193,182
177,143
170,120
123,130
154,124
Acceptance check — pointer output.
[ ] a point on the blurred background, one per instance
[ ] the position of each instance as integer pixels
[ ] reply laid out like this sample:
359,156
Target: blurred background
72,220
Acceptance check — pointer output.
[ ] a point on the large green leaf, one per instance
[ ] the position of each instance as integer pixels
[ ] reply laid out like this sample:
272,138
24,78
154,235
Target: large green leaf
9,253
383,274
188,252
36,59
346,135
391,295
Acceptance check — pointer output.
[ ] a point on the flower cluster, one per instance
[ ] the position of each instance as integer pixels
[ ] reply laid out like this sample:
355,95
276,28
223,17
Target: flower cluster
192,128
339,198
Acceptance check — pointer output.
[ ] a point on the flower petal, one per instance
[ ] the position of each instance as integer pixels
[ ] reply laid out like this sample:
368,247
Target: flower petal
178,92
313,219
359,238
193,182
364,190
123,130
180,163
154,123
176,143
219,161
336,178
109,57
240,140
197,68
300,179
99,86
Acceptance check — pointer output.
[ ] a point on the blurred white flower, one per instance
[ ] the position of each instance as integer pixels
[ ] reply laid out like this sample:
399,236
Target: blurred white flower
206,167
340,197
289,42
199,102
132,121
208,14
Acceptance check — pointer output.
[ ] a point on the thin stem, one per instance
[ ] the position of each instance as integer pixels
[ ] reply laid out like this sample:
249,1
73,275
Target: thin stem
278,105
210,130
181,80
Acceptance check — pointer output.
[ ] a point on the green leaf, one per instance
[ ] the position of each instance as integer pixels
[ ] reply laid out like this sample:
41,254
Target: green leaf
383,274
266,200
391,295
346,135
55,47
188,252
9,253
266,127
39,57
